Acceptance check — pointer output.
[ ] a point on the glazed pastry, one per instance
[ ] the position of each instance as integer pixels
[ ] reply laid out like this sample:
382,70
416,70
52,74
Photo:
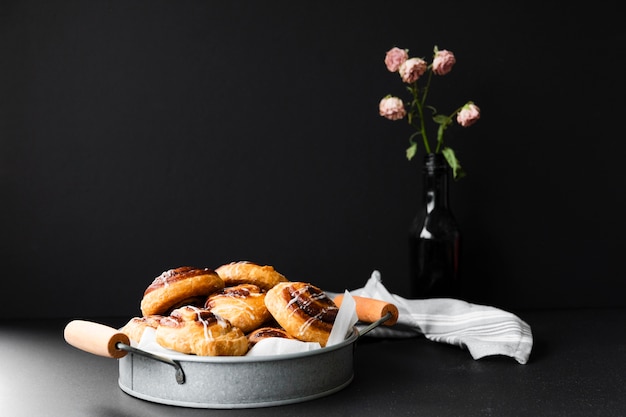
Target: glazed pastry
266,332
303,310
242,305
178,287
245,272
137,325
197,331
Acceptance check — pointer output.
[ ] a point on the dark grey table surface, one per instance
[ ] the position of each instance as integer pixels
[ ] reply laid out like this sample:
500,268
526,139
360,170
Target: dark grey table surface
577,368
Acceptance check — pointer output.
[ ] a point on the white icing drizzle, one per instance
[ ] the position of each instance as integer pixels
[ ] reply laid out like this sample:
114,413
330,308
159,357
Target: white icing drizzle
207,334
241,307
164,277
313,297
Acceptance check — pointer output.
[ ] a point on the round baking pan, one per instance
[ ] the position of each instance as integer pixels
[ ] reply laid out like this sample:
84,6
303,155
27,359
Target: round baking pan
229,381
241,381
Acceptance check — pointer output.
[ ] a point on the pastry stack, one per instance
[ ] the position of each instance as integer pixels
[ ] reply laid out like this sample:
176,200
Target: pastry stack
225,311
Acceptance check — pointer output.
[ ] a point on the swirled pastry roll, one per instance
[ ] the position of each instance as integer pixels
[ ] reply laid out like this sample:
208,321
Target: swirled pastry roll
135,327
303,310
178,287
245,272
242,305
266,332
198,331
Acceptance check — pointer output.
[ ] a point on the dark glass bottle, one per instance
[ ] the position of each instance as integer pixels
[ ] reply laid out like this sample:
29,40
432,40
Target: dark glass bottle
434,238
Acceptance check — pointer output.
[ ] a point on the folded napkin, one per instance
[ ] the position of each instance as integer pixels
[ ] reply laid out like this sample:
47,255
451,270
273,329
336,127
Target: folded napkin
482,330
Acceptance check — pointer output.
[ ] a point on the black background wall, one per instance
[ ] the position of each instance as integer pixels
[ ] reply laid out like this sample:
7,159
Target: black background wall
139,136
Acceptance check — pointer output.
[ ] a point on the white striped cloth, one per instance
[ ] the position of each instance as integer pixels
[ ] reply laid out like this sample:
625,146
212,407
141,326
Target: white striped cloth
482,330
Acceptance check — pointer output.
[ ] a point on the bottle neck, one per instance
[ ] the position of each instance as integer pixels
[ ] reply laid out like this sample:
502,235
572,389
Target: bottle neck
435,181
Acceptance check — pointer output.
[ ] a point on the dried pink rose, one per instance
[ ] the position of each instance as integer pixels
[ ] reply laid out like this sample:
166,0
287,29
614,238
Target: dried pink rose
392,108
443,62
468,115
412,69
395,57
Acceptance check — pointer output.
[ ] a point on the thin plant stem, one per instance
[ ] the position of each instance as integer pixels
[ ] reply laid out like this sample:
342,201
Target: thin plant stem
419,105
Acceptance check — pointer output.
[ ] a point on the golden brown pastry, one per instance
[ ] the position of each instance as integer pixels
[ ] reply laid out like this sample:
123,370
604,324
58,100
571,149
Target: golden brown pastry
197,331
137,325
178,287
265,332
303,310
245,272
242,305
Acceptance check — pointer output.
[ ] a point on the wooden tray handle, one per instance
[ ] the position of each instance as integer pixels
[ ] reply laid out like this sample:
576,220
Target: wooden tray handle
95,338
369,310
